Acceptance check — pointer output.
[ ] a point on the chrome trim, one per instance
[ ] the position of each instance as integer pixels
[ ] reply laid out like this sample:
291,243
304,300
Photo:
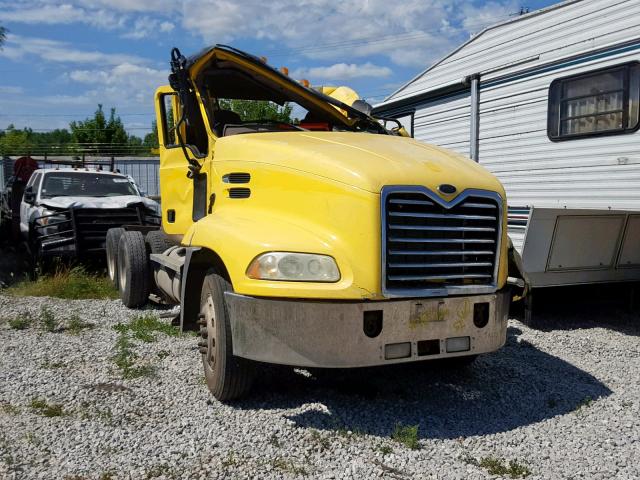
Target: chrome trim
437,200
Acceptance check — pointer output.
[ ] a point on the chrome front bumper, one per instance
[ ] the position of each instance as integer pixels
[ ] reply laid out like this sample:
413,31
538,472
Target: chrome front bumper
330,334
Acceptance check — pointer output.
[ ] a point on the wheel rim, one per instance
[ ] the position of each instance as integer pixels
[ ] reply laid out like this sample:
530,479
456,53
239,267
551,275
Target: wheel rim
111,265
210,326
122,275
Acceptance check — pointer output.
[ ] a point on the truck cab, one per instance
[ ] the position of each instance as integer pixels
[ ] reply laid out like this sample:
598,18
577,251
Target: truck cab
66,211
305,233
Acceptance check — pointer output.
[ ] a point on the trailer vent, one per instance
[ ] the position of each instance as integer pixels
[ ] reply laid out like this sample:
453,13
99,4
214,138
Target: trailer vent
437,247
239,192
237,177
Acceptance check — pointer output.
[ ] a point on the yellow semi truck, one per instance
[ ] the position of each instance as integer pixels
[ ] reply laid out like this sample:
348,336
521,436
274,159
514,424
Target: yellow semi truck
326,241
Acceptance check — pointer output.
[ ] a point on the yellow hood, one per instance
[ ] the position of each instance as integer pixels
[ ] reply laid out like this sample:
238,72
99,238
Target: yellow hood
365,161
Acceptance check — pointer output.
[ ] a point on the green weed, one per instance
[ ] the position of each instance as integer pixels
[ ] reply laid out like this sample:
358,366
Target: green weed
75,284
48,320
143,328
48,410
75,324
406,435
126,358
21,322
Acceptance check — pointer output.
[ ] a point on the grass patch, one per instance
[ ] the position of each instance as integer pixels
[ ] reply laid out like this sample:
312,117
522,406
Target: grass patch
126,359
385,449
9,409
513,469
230,460
498,466
75,325
143,327
21,322
288,466
321,440
586,402
74,284
406,435
48,410
48,320
49,365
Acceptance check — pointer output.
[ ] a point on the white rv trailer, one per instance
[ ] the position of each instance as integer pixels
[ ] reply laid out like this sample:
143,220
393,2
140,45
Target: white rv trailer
549,102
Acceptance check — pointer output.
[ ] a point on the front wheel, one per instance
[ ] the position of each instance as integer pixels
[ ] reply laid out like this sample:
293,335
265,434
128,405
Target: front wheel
228,377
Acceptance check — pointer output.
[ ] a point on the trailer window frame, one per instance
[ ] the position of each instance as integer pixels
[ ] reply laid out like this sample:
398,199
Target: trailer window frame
630,79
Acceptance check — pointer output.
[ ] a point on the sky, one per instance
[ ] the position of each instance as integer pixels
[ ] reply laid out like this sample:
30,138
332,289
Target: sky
63,58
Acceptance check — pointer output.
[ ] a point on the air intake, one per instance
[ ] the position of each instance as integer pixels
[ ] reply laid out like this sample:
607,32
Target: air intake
239,192
237,177
434,247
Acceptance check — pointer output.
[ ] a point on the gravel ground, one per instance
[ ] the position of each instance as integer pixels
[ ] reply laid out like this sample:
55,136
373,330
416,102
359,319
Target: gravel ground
561,403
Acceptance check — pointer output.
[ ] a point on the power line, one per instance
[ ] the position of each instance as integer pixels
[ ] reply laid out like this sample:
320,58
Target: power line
69,114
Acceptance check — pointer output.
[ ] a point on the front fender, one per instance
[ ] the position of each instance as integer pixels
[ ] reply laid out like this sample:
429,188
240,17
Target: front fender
238,236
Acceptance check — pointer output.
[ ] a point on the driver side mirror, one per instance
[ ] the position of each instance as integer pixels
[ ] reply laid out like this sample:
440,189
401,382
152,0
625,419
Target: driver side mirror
29,196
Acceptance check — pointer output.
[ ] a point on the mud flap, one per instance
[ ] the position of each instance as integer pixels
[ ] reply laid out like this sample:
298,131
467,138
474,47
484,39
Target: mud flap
517,277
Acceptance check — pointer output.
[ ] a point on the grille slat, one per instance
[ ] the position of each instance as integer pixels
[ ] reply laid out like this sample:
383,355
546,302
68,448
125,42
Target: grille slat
441,229
441,215
431,244
440,252
441,240
437,277
441,265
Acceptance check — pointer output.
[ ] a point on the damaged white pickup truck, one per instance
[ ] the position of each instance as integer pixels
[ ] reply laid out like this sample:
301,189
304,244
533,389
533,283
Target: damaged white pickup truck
66,212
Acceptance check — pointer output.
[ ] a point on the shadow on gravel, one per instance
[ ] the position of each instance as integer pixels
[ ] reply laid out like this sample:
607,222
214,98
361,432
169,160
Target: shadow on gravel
613,306
515,387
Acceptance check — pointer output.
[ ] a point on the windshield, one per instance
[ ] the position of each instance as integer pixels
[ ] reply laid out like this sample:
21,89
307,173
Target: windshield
86,184
238,101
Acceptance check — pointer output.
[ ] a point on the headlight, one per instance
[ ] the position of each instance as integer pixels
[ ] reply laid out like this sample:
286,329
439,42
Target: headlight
49,216
294,267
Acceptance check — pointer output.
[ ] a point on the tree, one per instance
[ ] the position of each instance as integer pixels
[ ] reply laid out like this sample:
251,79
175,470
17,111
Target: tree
14,141
251,110
102,136
151,139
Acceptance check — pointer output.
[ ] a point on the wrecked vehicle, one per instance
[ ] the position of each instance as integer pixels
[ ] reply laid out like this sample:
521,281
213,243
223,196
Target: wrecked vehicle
66,212
325,241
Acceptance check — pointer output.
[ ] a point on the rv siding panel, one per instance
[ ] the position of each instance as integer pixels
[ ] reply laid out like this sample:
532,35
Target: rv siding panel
446,122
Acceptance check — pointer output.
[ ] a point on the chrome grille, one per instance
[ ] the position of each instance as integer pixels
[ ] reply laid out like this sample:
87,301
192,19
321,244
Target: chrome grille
430,245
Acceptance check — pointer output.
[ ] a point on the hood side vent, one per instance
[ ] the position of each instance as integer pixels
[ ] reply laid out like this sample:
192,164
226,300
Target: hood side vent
239,192
236,177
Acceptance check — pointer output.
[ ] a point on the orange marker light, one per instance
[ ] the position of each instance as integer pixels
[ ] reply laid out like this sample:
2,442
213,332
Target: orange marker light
284,71
305,82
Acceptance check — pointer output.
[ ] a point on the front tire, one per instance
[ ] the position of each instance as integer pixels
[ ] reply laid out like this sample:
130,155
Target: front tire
228,377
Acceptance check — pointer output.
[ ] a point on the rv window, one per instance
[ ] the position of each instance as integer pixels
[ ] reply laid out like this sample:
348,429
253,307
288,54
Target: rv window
595,103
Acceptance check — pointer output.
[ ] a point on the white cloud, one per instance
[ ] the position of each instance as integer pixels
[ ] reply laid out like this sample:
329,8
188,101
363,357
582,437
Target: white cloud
144,27
131,81
413,32
158,6
343,71
166,27
17,47
63,14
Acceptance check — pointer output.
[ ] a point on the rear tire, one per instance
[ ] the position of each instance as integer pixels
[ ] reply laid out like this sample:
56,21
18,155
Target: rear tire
111,244
228,377
158,242
133,270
